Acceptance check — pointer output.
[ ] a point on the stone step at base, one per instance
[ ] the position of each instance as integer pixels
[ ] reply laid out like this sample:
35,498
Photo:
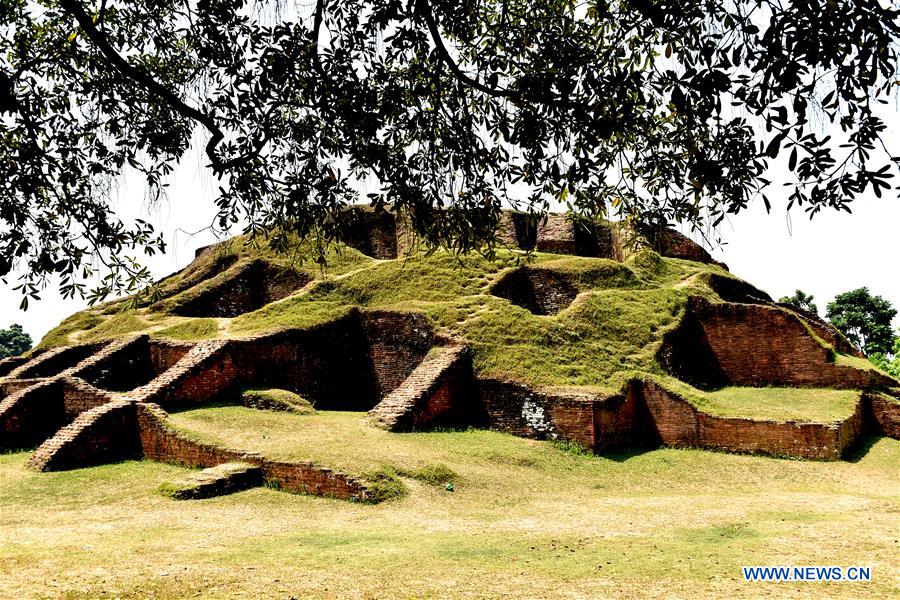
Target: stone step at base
220,480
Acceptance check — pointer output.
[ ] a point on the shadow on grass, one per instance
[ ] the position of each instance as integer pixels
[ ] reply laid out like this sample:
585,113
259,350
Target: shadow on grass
5,451
859,450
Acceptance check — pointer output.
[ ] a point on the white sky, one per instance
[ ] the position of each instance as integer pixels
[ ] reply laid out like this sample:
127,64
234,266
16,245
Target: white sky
777,252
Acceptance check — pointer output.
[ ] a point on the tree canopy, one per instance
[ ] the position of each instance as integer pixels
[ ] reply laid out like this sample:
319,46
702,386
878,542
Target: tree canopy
14,341
648,110
800,299
889,363
865,319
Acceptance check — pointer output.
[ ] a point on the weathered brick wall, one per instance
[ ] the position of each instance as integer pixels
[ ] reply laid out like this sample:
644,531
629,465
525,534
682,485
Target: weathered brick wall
207,372
56,360
79,396
572,417
757,345
686,353
346,364
31,415
247,287
673,244
517,230
9,387
824,330
621,421
556,234
735,290
158,441
541,291
327,364
438,392
884,414
164,354
515,408
753,345
395,344
103,434
11,362
122,366
374,233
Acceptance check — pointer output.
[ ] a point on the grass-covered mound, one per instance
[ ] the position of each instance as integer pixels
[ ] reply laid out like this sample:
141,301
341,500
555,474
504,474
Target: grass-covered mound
610,330
614,326
281,400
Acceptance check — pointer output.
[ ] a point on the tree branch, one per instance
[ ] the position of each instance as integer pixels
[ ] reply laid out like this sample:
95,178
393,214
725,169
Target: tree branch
153,87
318,17
424,10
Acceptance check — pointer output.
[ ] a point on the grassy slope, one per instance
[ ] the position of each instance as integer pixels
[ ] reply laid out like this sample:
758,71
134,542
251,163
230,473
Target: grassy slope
526,519
612,331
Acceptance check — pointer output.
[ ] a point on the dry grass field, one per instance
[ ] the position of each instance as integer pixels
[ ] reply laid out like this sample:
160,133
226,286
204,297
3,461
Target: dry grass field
525,519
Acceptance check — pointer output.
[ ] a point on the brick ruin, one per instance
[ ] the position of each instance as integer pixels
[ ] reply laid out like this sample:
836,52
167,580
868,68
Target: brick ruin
95,403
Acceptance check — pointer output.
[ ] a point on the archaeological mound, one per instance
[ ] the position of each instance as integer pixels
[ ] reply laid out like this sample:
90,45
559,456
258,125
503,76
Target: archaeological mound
578,331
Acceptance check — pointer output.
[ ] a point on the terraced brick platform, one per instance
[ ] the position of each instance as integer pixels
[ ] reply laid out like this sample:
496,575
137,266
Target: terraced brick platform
414,370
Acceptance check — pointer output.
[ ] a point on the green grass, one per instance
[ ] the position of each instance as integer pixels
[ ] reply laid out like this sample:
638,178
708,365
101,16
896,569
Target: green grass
526,519
118,325
193,329
782,404
80,322
615,328
855,362
295,313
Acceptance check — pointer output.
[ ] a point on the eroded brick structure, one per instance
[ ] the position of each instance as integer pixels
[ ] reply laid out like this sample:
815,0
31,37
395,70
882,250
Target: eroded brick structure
94,403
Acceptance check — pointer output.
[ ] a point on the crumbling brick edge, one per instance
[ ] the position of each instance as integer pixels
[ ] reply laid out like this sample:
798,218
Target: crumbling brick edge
126,429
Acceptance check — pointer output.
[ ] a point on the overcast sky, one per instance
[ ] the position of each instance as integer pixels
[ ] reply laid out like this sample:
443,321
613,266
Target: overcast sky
777,252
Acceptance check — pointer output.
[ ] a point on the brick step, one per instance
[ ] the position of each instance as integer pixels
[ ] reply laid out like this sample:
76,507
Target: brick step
427,395
220,480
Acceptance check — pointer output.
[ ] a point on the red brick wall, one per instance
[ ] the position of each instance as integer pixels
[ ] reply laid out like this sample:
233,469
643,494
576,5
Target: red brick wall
621,421
56,360
753,345
884,414
395,344
515,408
438,392
541,291
374,233
245,288
79,396
164,354
11,362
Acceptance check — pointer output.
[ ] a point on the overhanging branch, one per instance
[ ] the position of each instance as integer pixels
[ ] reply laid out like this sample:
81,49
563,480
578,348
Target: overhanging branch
424,10
155,88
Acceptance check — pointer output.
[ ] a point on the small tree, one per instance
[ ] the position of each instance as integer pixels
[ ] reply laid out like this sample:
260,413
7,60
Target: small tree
14,341
865,319
801,300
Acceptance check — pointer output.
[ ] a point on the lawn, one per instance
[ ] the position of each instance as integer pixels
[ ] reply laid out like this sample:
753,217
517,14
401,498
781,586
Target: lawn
812,405
525,519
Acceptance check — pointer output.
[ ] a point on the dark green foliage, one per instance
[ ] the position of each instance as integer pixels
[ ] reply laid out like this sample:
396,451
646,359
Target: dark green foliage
651,111
14,341
889,363
865,319
801,300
